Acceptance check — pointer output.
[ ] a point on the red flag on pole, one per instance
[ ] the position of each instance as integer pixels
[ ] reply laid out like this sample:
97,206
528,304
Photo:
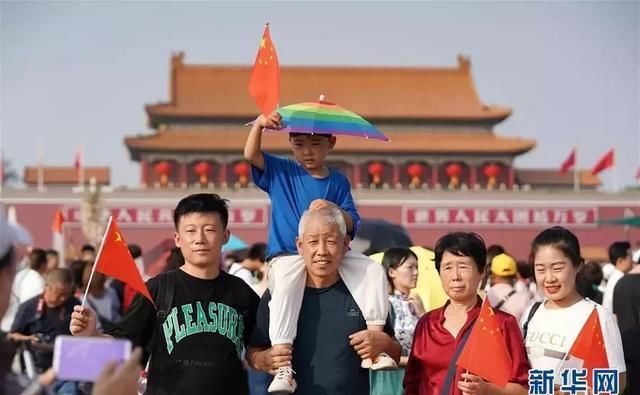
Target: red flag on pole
58,220
569,162
589,346
485,353
638,174
115,260
264,85
607,161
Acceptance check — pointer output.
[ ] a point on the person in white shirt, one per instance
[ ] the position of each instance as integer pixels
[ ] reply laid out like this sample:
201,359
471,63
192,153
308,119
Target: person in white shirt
28,283
503,294
551,330
620,256
235,268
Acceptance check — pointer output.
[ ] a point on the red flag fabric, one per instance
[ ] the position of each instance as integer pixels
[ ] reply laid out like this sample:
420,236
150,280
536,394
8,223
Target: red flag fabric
589,346
58,220
264,85
115,260
604,163
485,354
569,162
638,174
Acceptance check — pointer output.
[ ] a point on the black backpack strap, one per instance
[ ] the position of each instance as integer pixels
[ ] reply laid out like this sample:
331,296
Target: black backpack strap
164,302
451,373
504,300
525,326
164,297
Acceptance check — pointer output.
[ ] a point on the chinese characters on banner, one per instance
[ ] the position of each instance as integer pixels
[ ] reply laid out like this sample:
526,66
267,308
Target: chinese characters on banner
238,216
421,216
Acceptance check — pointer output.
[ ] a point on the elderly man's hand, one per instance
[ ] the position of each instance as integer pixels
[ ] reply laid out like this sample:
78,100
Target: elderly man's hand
368,343
273,358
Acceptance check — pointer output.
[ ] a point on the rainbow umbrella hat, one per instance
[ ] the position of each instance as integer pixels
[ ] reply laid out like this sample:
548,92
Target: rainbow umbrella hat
323,117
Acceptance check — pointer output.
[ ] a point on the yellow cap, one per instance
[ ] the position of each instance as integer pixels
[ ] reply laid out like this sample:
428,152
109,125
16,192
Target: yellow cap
503,265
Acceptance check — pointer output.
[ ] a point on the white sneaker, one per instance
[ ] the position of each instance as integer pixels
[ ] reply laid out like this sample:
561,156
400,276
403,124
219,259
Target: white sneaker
384,362
284,381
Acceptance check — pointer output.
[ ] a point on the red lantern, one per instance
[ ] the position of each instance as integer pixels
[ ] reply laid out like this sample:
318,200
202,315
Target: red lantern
241,169
453,171
375,170
415,172
491,171
203,169
163,168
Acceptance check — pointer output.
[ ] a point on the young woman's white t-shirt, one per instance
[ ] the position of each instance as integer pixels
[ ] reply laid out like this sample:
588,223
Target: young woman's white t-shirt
551,334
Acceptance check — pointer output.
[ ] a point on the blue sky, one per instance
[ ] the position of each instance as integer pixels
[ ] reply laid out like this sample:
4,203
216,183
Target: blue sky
80,72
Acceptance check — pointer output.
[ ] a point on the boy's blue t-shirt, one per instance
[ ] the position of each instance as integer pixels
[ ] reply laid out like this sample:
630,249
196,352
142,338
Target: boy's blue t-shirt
291,190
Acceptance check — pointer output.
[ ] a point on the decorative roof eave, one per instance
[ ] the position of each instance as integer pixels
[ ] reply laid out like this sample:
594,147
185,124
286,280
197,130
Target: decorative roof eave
66,175
167,113
401,143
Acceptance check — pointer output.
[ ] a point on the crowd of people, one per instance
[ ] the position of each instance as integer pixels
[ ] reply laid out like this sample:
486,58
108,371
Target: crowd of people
303,313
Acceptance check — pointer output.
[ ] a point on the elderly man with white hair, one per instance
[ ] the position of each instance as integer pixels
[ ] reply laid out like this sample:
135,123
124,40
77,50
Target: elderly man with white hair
332,336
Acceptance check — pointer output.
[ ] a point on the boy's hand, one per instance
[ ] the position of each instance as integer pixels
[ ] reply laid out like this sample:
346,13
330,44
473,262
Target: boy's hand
273,358
271,122
320,204
368,343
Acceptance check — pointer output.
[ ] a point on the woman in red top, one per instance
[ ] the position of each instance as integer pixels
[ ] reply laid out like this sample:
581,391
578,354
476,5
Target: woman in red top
460,259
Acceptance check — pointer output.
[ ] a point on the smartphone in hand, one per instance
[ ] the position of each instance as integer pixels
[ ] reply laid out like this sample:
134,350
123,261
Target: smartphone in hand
84,358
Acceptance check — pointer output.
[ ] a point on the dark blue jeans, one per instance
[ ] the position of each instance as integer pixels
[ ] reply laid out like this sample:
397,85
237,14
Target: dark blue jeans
258,382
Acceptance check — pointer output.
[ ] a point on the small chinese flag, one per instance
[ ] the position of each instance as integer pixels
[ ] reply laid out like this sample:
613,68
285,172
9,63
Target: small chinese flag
589,346
604,163
115,260
58,221
485,354
264,85
569,162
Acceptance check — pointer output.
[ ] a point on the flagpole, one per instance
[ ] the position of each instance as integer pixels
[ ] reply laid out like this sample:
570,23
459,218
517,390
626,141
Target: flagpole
615,173
1,167
81,168
93,269
576,172
40,167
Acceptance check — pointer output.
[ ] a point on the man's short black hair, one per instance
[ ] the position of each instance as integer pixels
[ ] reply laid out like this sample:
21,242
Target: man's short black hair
52,252
202,203
37,259
258,251
88,247
135,250
462,244
619,250
292,135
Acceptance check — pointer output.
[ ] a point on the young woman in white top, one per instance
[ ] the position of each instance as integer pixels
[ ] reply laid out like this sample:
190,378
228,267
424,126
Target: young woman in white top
552,329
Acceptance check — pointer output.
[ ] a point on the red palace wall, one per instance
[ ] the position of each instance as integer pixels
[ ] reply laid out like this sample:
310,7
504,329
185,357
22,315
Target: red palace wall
511,223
